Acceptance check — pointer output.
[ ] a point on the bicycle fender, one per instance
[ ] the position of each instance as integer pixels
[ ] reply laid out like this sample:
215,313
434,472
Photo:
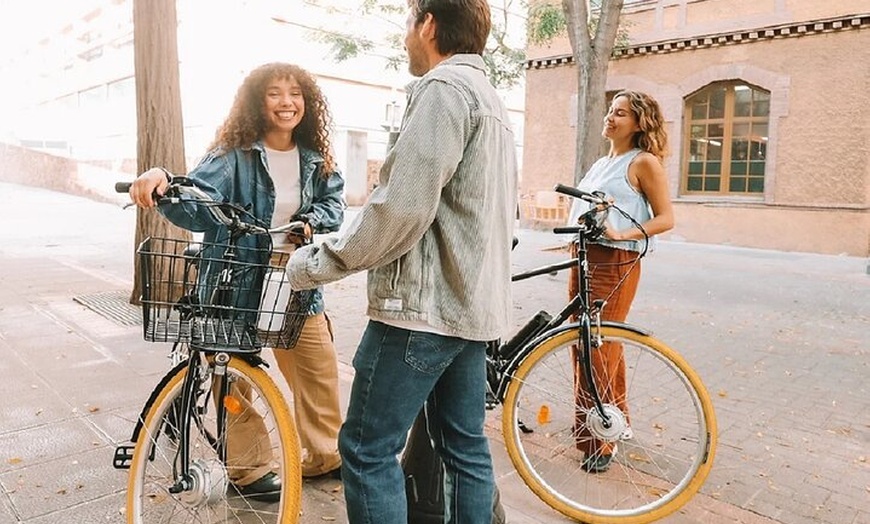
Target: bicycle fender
151,398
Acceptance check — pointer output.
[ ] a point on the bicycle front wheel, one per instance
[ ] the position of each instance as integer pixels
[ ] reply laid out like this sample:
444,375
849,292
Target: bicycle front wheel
660,434
260,437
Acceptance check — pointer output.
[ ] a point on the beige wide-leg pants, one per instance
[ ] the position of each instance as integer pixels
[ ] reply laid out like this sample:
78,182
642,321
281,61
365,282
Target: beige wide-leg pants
311,370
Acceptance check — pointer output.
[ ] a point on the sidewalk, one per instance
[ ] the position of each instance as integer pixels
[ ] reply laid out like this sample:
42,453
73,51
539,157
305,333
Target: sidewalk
782,341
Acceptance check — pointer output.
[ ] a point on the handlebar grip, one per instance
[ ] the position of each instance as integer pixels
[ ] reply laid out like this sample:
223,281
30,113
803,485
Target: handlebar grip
566,229
124,187
576,193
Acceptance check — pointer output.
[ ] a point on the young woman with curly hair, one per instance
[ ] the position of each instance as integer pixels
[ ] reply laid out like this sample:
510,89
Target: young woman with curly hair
632,175
272,156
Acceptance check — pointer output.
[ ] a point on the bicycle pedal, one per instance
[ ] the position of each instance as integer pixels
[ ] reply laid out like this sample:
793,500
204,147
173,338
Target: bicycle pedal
123,457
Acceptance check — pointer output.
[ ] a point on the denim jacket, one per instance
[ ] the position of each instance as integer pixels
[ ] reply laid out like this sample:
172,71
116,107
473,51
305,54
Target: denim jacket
435,235
241,176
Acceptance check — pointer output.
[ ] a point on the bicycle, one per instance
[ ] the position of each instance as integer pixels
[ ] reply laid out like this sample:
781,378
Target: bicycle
219,304
664,430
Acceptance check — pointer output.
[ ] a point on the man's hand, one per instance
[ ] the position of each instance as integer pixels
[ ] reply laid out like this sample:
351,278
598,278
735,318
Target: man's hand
143,188
301,236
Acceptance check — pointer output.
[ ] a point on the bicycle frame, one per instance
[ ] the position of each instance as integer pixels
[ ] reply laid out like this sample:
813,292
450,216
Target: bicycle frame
500,372
195,362
183,482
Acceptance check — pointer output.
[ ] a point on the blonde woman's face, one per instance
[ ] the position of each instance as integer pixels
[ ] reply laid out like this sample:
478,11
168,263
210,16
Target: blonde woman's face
620,121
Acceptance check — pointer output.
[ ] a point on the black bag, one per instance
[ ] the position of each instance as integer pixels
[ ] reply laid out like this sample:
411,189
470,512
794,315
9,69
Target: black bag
424,479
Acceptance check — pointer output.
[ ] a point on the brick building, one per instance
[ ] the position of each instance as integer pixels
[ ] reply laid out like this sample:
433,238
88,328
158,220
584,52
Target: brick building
767,104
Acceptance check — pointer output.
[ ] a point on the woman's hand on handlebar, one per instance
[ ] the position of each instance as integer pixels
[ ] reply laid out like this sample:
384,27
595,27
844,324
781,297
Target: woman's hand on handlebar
612,234
151,182
300,236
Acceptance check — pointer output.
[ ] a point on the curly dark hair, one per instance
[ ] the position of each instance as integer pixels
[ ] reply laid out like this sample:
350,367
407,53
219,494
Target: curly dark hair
246,121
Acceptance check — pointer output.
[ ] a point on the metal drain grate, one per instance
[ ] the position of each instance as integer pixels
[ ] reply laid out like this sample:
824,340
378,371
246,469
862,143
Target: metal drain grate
114,305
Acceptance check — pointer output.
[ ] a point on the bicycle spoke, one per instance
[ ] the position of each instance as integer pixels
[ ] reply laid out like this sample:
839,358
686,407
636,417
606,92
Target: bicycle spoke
211,498
656,434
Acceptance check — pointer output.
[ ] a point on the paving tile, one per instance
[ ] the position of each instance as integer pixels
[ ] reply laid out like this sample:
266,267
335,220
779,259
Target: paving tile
108,509
55,485
45,443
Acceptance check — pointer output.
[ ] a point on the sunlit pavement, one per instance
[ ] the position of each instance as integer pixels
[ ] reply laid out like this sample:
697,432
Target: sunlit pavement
782,341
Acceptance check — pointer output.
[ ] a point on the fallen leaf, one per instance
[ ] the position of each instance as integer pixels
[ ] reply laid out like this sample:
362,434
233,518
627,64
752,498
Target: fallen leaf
636,457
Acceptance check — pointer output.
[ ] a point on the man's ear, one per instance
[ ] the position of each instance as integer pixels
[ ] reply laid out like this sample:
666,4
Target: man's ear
428,27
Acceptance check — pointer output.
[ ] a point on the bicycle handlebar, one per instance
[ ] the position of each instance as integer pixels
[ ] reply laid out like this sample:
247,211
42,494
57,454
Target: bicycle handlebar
596,197
123,187
592,223
226,214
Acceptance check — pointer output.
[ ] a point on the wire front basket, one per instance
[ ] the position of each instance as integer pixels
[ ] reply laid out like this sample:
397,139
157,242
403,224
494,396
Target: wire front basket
218,296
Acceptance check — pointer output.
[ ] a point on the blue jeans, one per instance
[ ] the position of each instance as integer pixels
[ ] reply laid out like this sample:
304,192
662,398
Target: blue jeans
397,372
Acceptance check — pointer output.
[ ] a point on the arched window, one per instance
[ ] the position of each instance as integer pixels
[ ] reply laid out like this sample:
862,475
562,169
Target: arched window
726,140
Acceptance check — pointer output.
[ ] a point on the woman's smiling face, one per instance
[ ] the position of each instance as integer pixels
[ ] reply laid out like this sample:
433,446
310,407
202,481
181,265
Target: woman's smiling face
285,105
620,122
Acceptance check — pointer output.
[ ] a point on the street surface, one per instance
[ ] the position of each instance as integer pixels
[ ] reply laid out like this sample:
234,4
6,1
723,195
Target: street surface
781,340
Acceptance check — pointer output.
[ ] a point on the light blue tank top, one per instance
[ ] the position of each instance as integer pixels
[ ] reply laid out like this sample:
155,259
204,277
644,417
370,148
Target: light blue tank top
610,175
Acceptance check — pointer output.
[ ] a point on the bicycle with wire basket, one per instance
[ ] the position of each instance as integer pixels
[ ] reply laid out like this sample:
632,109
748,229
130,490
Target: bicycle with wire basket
662,433
219,304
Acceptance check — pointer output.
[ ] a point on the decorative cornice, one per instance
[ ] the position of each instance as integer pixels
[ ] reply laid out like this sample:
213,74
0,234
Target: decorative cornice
743,36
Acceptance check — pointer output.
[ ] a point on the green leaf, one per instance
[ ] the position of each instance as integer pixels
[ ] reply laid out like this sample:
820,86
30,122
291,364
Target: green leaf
545,22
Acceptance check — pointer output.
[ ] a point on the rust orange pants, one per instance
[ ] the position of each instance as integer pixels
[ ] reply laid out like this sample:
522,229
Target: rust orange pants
608,266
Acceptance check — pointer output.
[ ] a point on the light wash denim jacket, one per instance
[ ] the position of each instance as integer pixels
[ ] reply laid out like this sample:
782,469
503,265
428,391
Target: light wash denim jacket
435,235
241,176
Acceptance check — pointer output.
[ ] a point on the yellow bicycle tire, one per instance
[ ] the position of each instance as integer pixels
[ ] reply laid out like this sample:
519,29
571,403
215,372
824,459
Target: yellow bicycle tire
291,499
563,503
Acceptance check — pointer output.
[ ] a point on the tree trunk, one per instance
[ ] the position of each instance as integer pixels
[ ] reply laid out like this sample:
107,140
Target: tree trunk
591,57
160,132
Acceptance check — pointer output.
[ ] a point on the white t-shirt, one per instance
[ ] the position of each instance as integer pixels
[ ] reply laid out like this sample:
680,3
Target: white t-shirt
284,170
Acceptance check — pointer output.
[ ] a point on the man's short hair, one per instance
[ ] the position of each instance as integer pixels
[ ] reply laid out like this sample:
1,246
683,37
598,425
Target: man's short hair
462,25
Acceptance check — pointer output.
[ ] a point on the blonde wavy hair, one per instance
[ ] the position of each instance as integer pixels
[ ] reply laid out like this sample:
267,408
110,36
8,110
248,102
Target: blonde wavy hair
246,122
652,136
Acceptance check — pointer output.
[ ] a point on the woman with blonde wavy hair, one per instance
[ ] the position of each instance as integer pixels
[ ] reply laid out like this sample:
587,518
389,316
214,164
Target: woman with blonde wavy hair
633,176
272,156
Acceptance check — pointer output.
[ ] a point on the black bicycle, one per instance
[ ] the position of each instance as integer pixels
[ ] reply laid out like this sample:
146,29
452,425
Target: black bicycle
558,399
219,304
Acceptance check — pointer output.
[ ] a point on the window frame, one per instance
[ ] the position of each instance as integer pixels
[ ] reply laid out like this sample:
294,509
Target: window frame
728,121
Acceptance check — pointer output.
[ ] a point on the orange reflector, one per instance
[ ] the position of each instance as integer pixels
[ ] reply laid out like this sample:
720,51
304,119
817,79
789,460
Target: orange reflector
233,405
544,414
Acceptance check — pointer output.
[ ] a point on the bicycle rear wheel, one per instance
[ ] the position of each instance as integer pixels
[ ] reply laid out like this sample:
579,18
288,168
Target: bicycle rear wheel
213,498
664,431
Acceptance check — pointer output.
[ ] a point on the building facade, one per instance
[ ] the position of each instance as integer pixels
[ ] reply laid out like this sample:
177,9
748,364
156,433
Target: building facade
71,90
767,109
